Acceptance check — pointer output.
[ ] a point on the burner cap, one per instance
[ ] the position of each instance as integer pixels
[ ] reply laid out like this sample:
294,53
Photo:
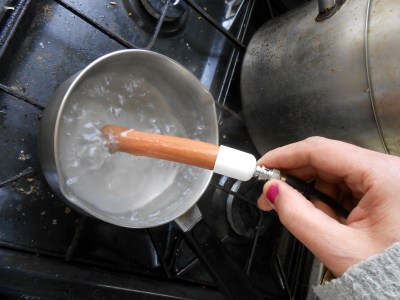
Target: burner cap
175,10
146,14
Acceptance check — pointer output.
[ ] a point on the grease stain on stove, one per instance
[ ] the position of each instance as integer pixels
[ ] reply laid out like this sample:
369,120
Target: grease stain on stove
23,156
47,11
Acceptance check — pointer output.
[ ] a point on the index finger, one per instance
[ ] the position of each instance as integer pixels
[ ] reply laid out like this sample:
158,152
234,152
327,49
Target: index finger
324,156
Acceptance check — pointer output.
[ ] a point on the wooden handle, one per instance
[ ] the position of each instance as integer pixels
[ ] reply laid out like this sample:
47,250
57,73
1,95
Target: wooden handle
182,150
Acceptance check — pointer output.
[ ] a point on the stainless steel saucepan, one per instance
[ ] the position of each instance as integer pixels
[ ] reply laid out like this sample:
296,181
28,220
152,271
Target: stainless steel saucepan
150,92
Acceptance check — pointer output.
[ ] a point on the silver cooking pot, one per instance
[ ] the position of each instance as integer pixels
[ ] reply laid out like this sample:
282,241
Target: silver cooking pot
338,77
150,92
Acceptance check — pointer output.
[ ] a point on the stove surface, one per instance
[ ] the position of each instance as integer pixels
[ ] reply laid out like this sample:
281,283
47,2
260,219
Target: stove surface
47,249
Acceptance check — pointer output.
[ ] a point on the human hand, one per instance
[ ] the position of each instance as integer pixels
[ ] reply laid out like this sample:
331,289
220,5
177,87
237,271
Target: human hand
363,181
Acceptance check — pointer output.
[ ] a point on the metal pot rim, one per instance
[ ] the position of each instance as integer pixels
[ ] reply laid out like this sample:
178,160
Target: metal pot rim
61,180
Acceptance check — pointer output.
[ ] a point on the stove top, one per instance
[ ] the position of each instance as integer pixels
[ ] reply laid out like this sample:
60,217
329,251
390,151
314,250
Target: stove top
47,249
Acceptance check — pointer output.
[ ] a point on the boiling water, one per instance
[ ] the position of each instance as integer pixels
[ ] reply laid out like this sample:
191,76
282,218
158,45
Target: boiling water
115,183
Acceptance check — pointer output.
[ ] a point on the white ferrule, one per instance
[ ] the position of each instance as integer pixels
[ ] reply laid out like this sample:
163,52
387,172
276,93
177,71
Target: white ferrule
235,164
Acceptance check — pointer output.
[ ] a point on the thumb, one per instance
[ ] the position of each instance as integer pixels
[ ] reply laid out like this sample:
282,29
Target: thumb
316,230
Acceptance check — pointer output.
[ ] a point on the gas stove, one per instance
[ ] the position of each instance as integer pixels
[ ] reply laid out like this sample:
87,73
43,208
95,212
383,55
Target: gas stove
48,250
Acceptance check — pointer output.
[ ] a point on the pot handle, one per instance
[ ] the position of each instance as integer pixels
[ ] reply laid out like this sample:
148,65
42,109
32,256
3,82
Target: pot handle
229,277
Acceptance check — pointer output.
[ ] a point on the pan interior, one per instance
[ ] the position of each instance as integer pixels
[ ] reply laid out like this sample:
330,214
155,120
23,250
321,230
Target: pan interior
143,91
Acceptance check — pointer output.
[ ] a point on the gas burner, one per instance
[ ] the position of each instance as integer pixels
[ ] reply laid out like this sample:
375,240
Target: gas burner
242,214
146,13
175,10
237,219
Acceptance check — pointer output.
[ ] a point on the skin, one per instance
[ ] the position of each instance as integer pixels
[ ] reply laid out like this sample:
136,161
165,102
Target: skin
365,182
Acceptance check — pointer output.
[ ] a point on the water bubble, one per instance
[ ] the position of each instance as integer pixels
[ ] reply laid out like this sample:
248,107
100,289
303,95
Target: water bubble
75,163
121,100
67,119
71,181
154,214
116,111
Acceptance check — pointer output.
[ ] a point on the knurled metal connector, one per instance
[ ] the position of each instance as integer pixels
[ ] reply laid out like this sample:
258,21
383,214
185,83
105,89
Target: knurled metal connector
263,173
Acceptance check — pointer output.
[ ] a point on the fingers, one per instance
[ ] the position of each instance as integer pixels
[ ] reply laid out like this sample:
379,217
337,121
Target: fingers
331,191
319,157
293,209
263,204
316,230
363,181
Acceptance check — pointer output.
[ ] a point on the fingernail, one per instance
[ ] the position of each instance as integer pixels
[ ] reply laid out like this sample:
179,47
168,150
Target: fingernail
272,193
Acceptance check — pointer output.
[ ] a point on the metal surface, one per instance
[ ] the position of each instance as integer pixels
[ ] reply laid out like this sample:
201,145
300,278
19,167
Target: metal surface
369,79
10,16
85,282
209,19
263,173
383,67
155,7
189,219
327,8
324,5
302,78
188,104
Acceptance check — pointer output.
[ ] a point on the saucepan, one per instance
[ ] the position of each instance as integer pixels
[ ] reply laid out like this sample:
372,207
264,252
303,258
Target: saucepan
149,92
